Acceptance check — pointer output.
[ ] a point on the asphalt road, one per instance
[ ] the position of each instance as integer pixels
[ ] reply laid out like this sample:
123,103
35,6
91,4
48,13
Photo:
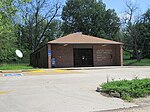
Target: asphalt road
64,91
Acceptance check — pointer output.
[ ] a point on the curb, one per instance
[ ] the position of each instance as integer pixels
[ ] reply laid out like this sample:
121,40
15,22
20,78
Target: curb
15,71
29,70
103,67
11,71
76,68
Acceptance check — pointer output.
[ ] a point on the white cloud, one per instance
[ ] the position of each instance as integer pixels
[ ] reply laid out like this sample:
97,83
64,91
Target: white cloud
133,1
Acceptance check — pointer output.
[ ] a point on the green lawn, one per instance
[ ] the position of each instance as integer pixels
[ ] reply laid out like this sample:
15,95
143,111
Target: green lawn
126,62
133,62
143,62
128,89
15,66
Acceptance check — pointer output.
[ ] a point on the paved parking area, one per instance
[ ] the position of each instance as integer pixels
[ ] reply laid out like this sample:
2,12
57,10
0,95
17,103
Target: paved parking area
64,91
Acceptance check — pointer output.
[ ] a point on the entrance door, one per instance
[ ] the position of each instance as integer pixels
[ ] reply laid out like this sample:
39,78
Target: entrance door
83,57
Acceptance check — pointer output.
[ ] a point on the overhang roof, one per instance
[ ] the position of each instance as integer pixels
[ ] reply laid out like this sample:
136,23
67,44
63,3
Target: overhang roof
77,38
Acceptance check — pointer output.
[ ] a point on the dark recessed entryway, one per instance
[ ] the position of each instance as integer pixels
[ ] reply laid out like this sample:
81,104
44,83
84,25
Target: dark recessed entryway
83,57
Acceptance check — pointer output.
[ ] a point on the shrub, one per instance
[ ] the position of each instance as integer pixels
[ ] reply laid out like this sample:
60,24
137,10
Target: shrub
128,89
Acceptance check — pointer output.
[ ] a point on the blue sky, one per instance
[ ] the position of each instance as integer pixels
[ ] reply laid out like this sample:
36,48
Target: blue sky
119,5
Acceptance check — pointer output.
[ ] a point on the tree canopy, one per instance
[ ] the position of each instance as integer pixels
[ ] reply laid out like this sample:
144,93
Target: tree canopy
29,24
36,17
90,17
137,34
7,34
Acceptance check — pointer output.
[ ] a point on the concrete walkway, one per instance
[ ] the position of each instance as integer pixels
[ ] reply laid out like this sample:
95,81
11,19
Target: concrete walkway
62,91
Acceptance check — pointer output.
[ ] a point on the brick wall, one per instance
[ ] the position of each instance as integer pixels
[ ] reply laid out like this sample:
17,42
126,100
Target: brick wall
107,55
39,58
119,53
63,55
103,55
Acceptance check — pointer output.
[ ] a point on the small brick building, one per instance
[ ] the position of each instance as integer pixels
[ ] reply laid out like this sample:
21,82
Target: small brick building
78,50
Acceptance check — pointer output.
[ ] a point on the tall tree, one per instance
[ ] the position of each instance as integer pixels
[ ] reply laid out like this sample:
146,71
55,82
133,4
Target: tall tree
90,17
136,36
52,32
146,33
36,17
7,35
112,24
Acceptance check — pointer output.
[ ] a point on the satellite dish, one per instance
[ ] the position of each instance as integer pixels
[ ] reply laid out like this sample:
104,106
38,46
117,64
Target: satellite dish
19,53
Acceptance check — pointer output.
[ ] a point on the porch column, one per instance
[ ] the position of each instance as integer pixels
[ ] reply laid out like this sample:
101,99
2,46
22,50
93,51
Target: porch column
49,53
121,55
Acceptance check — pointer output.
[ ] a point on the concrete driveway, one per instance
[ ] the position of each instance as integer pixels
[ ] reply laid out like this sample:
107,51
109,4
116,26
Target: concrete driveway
73,91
